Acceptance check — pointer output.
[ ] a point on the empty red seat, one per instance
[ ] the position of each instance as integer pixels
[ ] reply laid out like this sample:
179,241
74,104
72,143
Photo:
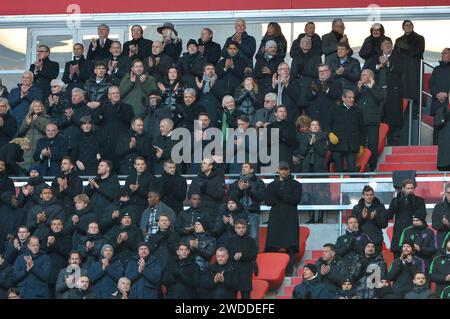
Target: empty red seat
426,82
388,257
383,132
362,161
271,267
304,234
260,288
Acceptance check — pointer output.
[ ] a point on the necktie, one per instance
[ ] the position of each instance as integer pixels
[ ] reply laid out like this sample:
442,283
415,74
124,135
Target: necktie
102,42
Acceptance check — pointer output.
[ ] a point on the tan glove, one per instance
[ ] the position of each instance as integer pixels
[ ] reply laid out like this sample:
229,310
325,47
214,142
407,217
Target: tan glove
333,138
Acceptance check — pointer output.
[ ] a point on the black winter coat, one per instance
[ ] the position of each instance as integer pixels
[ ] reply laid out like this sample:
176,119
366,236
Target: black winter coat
351,75
287,141
212,191
125,155
333,279
182,278
348,126
6,280
316,45
105,194
86,216
50,166
99,54
158,69
439,83
74,188
370,100
439,211
211,51
402,274
221,290
190,67
85,149
293,97
123,67
306,65
51,209
42,79
125,250
424,238
8,129
372,227
187,219
247,47
312,154
146,182
58,253
440,268
163,245
91,256
144,48
249,198
107,223
173,191
223,232
370,51
442,123
78,80
11,216
232,78
12,154
97,91
281,45
265,80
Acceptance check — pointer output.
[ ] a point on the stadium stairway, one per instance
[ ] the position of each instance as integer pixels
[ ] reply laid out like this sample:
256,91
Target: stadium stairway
418,158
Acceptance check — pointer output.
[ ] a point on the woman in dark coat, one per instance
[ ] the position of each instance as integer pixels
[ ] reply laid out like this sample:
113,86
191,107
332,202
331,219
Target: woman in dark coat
246,96
283,194
442,123
370,49
12,154
9,127
273,33
171,89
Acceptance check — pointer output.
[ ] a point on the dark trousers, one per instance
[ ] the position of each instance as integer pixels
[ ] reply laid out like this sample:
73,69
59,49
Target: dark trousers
393,137
372,144
339,157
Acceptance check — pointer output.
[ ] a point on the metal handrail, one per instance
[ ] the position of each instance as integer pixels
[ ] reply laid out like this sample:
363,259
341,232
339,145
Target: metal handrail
422,92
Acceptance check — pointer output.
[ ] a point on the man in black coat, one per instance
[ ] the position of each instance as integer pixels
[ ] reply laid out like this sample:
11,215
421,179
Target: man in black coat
66,276
211,92
211,186
162,146
99,48
316,41
209,49
82,290
6,280
50,151
103,189
44,70
164,243
186,219
67,185
323,96
158,63
181,275
11,217
231,68
243,251
246,42
191,64
372,263
330,267
97,86
283,195
173,187
345,68
77,71
138,47
304,64
90,246
221,280
131,145
441,216
371,215
440,267
347,134
118,65
404,206
331,39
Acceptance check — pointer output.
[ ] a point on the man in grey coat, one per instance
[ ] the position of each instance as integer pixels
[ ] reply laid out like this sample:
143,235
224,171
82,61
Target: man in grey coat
150,216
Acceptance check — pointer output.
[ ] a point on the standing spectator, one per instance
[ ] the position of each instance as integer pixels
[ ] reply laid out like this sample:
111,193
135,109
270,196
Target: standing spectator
12,154
350,247
77,71
330,40
164,243
105,273
231,68
267,66
440,268
172,44
81,290
50,151
372,263
311,287
90,246
403,269
310,32
249,190
246,42
173,187
102,189
8,124
138,47
273,33
243,251
422,237
347,134
149,219
330,266
266,115
77,222
229,212
67,185
246,96
33,128
439,87
440,217
57,103
209,49
44,69
304,64
288,92
136,86
22,96
221,279
371,215
144,271
182,275
162,146
371,48
345,68
66,276
210,185
76,110
99,48
171,90
3,90
389,71
31,272
11,217
211,91
421,289
191,64
404,206
442,124
158,63
6,278
283,195
117,63
17,246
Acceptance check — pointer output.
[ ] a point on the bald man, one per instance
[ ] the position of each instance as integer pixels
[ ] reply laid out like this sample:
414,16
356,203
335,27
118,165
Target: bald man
50,151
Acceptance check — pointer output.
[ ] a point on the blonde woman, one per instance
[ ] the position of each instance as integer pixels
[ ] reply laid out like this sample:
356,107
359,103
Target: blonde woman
8,124
33,128
172,44
12,154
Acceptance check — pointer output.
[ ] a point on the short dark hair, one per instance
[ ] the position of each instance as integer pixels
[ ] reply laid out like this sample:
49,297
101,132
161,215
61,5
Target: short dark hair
100,63
409,181
243,118
208,64
135,61
202,114
80,44
343,45
14,290
330,245
386,39
73,252
107,162
351,217
240,222
67,158
367,188
140,158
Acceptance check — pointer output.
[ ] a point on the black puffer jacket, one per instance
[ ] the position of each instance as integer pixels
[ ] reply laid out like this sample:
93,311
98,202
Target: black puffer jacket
212,190
370,102
182,278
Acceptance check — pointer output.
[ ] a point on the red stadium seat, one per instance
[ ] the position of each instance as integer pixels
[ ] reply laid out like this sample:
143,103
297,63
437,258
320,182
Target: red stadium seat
405,104
383,132
362,161
260,288
271,267
390,232
304,234
426,82
388,257
262,239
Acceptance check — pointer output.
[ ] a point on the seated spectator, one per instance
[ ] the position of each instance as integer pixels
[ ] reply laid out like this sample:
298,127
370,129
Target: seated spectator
82,290
371,50
246,96
112,215
77,71
144,271
231,68
50,151
422,237
347,291
330,266
11,217
191,64
310,32
304,64
440,217
99,48
221,279
440,268
32,272
163,244
57,103
173,187
11,155
371,215
350,247
8,124
266,66
21,97
403,269
171,90
171,42
331,39
44,70
123,289
266,115
385,291
66,275
78,221
158,63
224,224
33,128
311,287
209,49
149,219
105,273
421,289
187,112
442,123
90,246
181,275
17,246
6,278
138,47
273,33
117,63
135,87
371,263
345,68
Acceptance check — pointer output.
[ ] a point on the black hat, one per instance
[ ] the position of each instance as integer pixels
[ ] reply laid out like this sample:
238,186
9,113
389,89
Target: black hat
422,217
191,41
233,42
234,198
127,214
167,25
143,243
409,242
204,223
283,165
248,73
311,267
123,192
346,279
